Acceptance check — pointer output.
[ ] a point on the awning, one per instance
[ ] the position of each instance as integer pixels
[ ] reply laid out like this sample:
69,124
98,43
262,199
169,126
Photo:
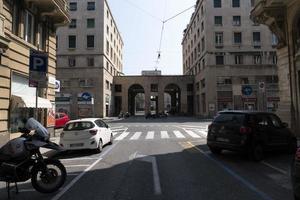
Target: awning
25,101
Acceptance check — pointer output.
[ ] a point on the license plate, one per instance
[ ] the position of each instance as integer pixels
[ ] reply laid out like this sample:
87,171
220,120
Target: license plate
222,140
76,145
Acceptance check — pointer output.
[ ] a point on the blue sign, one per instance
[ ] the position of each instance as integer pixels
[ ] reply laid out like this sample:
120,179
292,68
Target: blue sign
247,90
86,96
38,61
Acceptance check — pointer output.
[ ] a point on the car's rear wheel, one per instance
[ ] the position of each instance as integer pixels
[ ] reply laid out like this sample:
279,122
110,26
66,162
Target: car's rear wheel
256,152
215,150
100,146
111,141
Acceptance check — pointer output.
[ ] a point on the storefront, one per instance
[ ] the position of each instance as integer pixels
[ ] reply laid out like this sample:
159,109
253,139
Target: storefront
23,103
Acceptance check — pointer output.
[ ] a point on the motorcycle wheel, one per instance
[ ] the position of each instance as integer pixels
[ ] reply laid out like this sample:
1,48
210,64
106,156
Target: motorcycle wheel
48,181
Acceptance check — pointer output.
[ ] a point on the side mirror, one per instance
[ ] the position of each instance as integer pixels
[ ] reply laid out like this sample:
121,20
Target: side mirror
285,125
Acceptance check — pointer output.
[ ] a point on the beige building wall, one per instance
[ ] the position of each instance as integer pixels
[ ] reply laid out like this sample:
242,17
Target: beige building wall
284,20
107,54
15,48
201,47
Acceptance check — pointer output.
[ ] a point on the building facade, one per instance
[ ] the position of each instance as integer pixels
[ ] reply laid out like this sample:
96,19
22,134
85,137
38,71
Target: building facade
153,93
283,18
24,26
233,59
90,54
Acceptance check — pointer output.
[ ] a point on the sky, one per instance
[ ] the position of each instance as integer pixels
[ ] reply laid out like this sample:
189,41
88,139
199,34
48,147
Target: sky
140,24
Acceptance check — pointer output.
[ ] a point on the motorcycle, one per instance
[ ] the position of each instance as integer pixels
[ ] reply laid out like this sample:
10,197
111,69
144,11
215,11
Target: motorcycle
21,160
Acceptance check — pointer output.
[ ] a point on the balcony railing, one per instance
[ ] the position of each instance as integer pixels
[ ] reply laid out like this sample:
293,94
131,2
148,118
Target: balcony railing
57,10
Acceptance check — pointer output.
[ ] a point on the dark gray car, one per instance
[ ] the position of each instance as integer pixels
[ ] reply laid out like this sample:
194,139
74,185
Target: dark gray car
249,132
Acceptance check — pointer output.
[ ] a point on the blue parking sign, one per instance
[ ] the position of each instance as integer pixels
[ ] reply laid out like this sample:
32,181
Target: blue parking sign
38,61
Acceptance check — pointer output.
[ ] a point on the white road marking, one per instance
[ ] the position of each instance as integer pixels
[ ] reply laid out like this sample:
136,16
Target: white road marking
275,168
70,166
122,136
65,189
191,133
164,134
203,133
117,130
150,135
71,159
117,127
151,159
136,136
178,134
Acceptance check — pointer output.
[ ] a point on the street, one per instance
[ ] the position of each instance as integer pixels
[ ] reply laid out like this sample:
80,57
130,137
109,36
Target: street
165,159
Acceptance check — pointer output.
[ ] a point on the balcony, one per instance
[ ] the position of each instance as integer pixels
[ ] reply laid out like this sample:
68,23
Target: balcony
57,10
271,13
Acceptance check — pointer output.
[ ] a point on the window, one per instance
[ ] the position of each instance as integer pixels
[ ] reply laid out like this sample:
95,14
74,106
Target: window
271,79
72,23
203,43
90,41
107,47
72,61
274,40
238,59
16,18
252,3
86,82
223,80
235,3
217,3
190,87
237,37
202,26
219,60
275,121
202,83
244,80
219,39
43,36
256,38
198,86
29,28
72,41
118,88
90,23
236,20
107,84
218,21
73,6
154,87
257,59
90,62
107,29
90,6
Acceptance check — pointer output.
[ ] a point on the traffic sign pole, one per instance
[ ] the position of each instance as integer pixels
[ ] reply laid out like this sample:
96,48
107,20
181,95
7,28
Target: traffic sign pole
36,101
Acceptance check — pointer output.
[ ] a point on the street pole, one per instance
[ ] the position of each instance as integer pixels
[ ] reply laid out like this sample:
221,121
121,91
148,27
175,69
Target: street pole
36,101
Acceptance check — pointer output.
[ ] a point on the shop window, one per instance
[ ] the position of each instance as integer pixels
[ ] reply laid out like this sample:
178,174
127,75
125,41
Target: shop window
118,88
190,87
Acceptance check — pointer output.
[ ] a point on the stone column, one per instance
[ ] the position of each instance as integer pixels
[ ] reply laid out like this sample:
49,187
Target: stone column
284,107
147,99
183,101
161,100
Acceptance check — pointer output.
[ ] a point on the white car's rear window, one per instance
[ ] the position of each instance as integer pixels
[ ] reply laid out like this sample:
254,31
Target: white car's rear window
78,126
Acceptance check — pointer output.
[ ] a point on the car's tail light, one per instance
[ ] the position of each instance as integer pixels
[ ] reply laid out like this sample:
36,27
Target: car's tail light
209,126
245,130
93,132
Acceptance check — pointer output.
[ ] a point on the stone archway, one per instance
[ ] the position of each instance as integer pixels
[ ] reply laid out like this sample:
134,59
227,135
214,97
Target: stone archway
172,95
136,100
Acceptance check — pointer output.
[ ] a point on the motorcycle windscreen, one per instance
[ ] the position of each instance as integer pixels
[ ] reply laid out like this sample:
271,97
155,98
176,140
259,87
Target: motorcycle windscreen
40,130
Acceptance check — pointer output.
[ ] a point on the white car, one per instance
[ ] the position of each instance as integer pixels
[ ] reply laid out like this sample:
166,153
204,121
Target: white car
89,133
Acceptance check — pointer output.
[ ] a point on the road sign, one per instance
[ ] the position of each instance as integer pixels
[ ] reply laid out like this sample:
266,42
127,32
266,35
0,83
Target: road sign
57,86
247,90
261,86
86,96
38,68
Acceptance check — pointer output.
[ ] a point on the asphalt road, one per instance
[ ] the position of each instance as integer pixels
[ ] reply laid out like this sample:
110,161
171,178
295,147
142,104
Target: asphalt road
165,159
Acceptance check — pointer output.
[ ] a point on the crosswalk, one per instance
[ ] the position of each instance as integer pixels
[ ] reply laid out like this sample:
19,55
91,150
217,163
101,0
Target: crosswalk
154,135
